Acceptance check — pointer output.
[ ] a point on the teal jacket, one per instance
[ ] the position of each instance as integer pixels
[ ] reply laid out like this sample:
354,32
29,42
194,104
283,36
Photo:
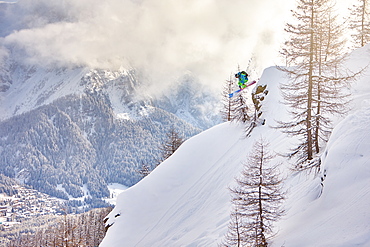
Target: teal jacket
243,78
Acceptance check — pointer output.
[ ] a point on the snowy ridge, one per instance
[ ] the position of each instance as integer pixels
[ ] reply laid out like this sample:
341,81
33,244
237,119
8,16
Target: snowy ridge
334,212
33,87
25,88
170,198
186,202
102,113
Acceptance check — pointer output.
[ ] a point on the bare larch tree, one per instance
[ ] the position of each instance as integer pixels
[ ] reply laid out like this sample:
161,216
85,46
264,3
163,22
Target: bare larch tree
257,200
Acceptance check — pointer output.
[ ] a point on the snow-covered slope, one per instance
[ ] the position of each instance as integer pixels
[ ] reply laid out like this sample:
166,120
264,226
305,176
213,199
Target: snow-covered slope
168,208
336,211
186,202
333,210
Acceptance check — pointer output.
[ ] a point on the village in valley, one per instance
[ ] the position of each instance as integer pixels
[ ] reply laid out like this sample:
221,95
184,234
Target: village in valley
31,218
26,204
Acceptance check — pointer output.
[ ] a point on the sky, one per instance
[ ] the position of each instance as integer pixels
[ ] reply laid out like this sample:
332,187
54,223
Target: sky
209,38
166,39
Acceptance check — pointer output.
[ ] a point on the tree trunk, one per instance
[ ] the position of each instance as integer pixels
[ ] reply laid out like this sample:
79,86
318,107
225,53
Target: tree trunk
310,87
363,23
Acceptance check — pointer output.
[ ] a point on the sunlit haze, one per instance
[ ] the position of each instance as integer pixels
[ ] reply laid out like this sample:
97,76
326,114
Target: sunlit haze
165,39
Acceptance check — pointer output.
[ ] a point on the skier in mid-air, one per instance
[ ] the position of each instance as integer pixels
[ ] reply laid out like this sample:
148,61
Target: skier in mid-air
243,79
242,83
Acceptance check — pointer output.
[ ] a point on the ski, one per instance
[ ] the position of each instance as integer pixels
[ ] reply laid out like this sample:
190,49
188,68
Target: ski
239,90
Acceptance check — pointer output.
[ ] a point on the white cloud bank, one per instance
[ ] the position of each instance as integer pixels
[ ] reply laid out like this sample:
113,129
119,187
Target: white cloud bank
209,38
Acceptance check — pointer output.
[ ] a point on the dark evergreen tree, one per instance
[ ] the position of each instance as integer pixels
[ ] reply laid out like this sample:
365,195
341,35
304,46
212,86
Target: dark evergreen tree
7,185
144,170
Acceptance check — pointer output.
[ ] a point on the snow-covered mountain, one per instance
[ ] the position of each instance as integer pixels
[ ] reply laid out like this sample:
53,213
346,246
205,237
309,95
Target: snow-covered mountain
25,88
76,127
69,129
186,201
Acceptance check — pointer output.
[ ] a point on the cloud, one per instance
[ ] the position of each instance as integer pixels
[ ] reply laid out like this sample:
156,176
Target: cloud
166,38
